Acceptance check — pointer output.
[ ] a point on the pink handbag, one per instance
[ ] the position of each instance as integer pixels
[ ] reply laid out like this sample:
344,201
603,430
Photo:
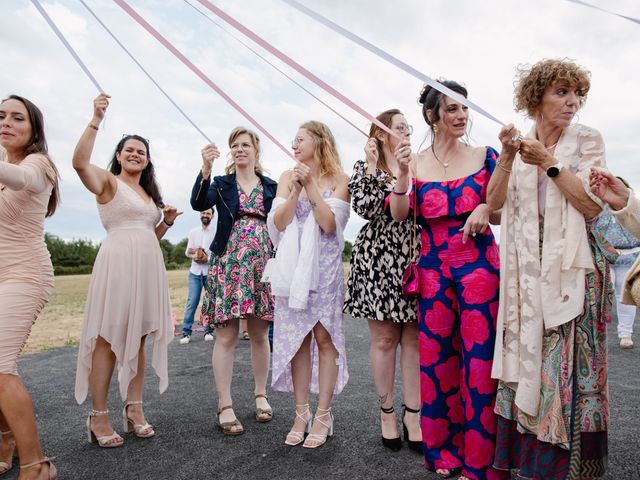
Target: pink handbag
410,277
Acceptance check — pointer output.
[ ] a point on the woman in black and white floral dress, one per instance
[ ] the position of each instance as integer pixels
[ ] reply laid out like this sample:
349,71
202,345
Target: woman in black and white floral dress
374,290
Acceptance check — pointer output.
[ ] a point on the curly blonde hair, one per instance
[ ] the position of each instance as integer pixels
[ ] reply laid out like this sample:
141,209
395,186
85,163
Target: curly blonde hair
255,140
532,81
325,151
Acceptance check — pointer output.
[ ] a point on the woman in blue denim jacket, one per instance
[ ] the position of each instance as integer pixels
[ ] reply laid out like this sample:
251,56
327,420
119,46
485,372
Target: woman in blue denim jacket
240,250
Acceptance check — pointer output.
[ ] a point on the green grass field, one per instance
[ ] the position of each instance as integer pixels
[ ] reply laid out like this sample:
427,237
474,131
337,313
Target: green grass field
60,322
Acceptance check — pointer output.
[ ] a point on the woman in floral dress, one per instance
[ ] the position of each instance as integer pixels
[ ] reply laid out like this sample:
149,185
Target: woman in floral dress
459,280
240,251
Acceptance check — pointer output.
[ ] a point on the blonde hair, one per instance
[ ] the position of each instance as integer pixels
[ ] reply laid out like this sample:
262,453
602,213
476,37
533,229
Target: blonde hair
532,81
325,151
255,140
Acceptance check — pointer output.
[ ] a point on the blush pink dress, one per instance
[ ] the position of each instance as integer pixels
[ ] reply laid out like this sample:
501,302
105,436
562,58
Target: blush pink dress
129,295
26,273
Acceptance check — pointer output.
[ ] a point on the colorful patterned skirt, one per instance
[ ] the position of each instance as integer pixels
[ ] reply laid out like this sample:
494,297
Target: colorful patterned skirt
234,288
567,440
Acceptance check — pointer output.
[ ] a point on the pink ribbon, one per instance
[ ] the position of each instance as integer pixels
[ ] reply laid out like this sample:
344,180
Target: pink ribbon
275,67
295,65
149,76
631,19
144,24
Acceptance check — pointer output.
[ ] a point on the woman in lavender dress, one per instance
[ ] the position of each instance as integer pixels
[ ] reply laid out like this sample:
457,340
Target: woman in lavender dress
306,223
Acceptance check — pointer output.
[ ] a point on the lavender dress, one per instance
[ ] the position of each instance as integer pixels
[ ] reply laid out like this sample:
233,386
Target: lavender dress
291,326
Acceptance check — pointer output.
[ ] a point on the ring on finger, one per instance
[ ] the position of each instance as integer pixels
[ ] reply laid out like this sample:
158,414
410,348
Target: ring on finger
473,234
516,138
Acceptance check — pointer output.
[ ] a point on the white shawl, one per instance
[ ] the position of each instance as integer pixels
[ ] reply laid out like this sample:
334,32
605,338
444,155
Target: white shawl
295,271
538,292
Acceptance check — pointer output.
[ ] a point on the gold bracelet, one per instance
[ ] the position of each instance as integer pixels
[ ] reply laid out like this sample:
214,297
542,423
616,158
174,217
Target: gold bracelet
91,125
503,168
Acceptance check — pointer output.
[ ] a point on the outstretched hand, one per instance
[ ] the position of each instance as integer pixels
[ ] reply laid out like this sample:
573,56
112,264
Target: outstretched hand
608,188
170,213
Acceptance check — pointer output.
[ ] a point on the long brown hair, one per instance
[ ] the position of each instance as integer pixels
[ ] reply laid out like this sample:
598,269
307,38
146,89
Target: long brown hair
386,119
38,144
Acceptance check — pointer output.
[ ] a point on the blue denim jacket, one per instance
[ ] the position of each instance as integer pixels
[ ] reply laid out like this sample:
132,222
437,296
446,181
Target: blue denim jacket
222,193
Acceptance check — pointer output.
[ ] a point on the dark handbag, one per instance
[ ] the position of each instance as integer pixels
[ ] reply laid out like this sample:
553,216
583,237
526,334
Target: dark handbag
410,277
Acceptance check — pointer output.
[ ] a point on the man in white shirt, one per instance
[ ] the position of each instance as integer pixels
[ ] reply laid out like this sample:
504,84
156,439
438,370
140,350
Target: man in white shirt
200,239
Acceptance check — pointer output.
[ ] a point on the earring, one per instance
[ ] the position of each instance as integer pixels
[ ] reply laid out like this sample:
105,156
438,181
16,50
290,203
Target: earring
435,129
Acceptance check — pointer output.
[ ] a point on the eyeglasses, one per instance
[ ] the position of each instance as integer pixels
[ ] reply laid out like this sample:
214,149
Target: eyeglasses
405,129
242,146
296,141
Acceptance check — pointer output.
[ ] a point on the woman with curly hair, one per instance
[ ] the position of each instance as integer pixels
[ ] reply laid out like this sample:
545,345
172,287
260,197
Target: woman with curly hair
307,223
555,288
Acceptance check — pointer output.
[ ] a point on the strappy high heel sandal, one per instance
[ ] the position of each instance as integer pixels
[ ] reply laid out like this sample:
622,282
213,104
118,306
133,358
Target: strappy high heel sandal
13,453
105,441
263,415
415,445
393,444
141,430
52,474
321,438
230,428
295,437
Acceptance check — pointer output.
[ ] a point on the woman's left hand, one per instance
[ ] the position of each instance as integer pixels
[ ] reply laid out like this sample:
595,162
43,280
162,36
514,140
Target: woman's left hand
533,152
608,188
170,213
477,222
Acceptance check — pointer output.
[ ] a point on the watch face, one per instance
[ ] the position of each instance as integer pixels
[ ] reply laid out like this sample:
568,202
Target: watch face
553,171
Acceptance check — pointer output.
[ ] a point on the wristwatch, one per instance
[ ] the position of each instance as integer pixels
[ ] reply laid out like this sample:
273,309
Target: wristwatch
554,170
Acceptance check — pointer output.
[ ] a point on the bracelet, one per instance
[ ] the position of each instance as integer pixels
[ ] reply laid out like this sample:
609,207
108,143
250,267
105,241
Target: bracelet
399,193
503,168
91,125
164,220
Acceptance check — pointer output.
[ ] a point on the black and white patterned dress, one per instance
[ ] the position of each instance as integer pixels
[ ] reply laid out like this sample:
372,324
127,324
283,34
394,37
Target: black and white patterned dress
380,253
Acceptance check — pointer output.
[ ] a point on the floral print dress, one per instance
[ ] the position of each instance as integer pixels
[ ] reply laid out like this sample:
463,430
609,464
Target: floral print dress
234,288
457,307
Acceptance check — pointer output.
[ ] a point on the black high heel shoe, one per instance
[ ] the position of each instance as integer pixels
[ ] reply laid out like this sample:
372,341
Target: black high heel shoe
414,445
393,444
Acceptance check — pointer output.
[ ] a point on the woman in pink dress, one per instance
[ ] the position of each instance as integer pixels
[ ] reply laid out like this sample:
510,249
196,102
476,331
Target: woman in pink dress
28,194
128,296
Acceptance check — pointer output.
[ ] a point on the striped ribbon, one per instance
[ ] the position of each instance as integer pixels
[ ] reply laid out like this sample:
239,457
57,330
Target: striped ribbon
67,45
579,2
147,73
235,37
296,66
391,59
144,24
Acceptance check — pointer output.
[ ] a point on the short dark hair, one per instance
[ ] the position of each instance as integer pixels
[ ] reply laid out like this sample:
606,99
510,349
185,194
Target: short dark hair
430,98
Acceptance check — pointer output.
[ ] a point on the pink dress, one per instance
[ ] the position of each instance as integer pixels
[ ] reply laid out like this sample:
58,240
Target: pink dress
129,295
26,274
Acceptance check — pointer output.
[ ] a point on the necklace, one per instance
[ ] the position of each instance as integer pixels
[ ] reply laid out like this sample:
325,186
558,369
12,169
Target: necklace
445,165
551,147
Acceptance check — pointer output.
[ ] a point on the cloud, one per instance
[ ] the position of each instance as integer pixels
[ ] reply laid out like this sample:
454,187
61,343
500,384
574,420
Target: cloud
478,43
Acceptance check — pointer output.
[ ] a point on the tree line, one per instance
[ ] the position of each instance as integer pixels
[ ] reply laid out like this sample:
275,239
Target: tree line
76,256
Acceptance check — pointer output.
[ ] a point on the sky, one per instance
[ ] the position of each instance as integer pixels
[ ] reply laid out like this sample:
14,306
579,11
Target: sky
479,44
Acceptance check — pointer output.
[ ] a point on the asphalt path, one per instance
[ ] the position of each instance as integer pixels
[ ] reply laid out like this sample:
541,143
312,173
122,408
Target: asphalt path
188,445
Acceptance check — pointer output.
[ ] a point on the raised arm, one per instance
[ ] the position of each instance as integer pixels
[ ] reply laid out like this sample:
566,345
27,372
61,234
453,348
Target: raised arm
499,182
398,201
204,194
98,181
